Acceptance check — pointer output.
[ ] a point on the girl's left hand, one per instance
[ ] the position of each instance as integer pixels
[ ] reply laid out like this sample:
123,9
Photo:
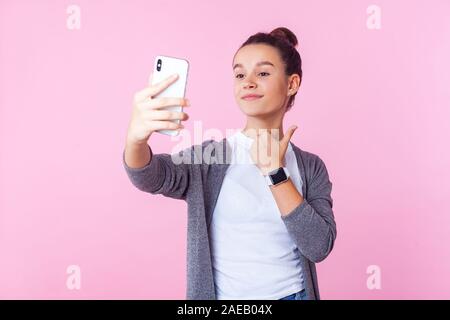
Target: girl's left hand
267,151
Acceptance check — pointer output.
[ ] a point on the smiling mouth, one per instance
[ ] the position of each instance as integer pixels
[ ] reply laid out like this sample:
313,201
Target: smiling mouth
251,98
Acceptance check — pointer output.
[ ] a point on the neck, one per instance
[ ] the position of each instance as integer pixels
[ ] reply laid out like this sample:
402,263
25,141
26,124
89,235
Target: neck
269,123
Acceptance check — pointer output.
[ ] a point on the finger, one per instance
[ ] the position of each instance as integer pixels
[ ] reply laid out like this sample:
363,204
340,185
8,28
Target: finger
163,84
164,125
166,115
274,141
154,89
159,103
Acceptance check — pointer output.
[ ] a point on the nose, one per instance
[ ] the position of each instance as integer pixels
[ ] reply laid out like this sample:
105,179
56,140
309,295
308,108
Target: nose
249,84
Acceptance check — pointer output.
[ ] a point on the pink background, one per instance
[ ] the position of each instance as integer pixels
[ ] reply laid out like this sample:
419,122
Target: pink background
374,105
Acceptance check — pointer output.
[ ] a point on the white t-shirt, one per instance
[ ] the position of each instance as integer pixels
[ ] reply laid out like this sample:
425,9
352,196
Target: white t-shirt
253,255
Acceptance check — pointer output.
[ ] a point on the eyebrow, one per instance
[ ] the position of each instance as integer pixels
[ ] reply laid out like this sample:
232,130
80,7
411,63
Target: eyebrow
261,63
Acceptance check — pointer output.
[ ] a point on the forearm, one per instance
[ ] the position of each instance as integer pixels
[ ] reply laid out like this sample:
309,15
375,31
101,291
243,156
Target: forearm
137,155
286,196
158,174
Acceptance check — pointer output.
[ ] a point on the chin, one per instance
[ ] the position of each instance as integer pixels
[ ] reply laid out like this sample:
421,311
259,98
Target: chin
254,112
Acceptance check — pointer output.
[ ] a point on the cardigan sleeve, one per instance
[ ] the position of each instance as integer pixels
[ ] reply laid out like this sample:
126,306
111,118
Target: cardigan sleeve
165,174
311,223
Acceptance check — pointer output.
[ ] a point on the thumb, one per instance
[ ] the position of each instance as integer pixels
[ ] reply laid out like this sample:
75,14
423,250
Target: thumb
287,137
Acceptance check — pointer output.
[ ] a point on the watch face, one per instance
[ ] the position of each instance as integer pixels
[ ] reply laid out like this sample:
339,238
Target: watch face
278,176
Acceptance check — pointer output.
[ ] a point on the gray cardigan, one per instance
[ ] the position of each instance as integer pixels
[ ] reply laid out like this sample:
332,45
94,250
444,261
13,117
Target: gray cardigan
198,182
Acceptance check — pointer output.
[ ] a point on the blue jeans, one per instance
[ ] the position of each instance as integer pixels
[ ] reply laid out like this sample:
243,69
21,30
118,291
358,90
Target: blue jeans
301,295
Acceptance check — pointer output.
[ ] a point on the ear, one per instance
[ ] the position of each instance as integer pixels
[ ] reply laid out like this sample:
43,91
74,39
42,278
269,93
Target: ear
294,83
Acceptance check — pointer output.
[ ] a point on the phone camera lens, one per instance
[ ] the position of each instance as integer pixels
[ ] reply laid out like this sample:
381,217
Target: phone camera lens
158,66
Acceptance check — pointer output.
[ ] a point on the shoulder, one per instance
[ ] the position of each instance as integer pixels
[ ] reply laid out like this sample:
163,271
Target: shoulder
307,156
313,164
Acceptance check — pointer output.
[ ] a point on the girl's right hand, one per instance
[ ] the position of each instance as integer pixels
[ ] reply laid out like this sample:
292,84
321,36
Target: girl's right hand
147,115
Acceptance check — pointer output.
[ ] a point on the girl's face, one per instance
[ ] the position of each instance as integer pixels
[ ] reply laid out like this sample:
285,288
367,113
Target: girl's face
258,69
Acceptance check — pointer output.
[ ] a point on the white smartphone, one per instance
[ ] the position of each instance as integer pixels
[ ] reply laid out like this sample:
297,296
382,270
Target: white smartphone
164,67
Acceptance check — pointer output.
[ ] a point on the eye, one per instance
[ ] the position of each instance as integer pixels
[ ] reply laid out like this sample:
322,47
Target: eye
240,74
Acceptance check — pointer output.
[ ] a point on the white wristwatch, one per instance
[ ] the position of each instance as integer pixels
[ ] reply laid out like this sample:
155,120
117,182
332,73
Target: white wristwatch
277,176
